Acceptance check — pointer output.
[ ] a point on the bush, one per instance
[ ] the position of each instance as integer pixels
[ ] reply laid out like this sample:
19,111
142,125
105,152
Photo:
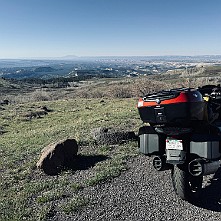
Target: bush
40,96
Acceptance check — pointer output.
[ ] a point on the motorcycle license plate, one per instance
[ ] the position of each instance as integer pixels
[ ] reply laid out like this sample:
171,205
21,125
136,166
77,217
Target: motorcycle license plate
173,144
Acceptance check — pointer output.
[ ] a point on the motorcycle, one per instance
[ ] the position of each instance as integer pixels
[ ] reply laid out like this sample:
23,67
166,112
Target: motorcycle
182,133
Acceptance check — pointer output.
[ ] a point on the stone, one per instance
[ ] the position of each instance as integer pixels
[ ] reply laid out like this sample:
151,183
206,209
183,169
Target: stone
4,102
57,156
111,136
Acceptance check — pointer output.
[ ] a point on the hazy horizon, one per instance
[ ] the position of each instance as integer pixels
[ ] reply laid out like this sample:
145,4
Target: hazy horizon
72,57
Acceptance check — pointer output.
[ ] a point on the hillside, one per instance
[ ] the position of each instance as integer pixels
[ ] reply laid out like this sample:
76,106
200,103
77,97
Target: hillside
8,84
33,90
74,111
200,71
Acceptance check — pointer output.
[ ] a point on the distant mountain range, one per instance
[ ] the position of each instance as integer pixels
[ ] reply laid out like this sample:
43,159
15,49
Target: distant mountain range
28,62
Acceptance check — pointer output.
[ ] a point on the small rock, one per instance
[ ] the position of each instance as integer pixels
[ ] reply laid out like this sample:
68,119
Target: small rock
45,109
57,156
2,131
4,102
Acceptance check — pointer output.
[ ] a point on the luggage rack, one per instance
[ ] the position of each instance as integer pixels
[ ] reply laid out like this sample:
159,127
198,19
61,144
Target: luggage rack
165,94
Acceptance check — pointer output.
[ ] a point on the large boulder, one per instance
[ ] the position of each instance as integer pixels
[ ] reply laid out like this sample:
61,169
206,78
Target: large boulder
57,156
111,136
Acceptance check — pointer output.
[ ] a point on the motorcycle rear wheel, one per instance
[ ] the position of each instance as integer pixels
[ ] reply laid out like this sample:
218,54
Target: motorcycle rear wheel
185,185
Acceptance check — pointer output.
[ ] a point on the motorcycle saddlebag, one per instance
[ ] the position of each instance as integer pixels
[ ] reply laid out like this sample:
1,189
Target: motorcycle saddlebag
206,146
150,142
177,107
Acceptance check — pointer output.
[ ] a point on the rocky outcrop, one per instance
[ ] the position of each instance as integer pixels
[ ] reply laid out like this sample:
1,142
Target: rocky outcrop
57,156
111,136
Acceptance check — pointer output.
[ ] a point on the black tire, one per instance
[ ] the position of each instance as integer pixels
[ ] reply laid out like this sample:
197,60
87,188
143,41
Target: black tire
185,185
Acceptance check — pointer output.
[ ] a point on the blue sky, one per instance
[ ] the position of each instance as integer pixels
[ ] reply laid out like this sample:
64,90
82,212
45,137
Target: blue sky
54,28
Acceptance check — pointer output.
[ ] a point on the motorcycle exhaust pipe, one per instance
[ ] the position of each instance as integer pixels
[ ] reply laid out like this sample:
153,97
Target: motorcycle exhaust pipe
159,163
199,167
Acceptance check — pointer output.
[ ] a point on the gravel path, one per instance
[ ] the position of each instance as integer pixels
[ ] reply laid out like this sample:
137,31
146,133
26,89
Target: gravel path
141,193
